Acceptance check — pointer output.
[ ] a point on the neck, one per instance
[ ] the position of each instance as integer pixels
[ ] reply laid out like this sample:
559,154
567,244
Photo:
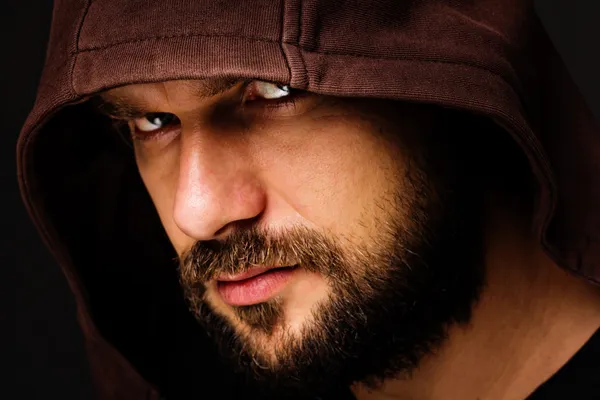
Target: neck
531,319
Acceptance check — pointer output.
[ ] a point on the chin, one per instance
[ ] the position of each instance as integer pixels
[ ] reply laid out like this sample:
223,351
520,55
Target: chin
281,318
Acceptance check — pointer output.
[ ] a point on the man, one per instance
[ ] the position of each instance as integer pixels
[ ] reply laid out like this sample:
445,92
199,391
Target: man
371,200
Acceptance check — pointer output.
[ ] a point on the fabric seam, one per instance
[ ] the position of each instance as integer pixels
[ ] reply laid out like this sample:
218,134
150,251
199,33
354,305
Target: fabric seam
281,42
146,39
299,39
77,50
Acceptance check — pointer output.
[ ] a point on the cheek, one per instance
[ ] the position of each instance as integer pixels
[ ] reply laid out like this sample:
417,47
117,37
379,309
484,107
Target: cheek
335,172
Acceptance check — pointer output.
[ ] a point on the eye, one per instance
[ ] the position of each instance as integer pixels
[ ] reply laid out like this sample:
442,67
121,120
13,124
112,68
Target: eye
154,121
257,90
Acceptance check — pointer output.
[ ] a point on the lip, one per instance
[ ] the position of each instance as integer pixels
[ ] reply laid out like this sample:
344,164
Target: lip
255,286
246,275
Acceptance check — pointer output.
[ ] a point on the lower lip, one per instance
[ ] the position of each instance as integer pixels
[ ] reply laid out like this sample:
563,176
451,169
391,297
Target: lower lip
257,289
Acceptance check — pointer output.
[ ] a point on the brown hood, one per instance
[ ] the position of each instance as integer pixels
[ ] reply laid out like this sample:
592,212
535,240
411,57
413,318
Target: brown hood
81,186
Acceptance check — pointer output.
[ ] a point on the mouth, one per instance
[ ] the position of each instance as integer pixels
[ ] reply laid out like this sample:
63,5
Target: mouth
255,286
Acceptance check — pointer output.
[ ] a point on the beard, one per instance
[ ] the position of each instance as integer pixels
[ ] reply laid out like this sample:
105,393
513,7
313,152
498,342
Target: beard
389,303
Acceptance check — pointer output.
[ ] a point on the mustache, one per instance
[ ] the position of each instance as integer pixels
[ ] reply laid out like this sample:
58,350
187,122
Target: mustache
241,250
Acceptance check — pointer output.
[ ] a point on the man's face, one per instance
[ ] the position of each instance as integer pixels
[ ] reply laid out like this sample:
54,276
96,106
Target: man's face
321,239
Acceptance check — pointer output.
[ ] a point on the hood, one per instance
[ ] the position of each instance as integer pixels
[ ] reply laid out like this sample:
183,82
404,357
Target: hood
81,186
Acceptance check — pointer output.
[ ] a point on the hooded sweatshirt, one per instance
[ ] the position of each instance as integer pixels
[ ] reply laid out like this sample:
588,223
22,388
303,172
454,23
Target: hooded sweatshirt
82,188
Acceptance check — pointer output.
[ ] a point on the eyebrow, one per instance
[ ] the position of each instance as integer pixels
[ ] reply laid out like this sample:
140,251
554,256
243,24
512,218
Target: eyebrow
118,107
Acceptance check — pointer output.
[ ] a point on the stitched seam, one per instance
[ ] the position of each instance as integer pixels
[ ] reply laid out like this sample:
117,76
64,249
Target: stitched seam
146,39
299,46
299,36
281,42
417,59
79,29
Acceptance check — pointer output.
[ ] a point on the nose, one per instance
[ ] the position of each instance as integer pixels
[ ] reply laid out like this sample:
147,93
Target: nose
216,189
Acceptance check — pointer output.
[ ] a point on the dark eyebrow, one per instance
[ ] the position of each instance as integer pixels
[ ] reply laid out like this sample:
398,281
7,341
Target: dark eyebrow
119,108
212,87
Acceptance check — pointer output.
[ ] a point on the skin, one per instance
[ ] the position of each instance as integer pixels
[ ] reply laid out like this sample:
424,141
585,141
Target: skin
325,164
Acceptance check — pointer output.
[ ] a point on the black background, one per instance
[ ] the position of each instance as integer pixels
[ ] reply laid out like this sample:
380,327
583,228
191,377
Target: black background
42,350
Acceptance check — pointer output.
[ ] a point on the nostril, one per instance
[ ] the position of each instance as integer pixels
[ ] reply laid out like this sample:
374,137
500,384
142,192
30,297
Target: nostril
238,226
